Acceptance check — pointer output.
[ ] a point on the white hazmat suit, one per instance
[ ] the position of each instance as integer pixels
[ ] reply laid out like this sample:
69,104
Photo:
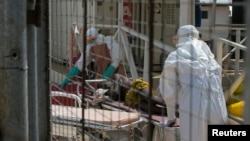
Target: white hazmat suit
114,48
91,32
78,67
191,78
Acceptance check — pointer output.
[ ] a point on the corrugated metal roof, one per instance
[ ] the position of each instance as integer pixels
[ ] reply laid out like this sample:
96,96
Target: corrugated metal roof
218,1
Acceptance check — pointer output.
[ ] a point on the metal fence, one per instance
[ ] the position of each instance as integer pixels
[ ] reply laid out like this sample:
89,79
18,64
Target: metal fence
41,42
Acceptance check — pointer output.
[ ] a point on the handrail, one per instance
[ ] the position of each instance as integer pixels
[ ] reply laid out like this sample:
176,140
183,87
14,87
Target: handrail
141,36
239,46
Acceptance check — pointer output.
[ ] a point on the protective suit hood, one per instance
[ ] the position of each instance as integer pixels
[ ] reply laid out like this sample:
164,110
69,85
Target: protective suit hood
93,32
187,33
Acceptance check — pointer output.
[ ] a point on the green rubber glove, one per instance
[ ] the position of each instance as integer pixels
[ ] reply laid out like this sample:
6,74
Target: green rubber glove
109,71
74,71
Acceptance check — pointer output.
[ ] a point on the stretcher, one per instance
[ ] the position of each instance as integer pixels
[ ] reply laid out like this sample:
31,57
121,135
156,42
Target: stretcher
95,118
98,123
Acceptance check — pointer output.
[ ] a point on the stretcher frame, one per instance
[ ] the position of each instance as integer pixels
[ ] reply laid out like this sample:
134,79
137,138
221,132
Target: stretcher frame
75,119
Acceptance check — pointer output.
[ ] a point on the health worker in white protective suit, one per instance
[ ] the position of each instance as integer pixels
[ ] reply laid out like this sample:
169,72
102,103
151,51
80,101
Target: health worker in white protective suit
93,38
191,79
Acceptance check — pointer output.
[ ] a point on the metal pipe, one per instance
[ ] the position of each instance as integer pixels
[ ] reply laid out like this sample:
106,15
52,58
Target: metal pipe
193,12
43,86
94,13
138,52
120,15
212,24
219,52
13,71
247,79
32,79
237,54
150,62
32,83
213,20
88,9
146,63
85,21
